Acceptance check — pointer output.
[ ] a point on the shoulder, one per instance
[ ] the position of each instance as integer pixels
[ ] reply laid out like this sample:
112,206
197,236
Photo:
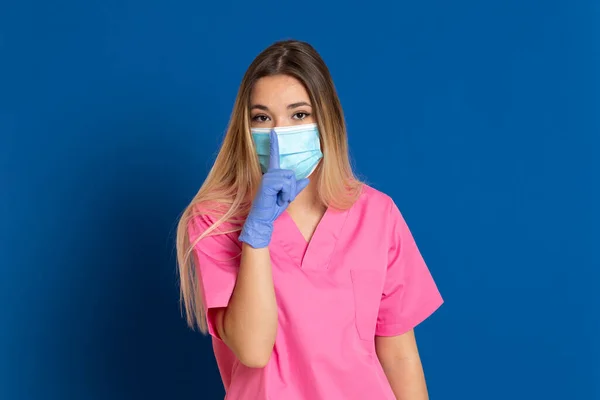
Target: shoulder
378,207
375,199
207,218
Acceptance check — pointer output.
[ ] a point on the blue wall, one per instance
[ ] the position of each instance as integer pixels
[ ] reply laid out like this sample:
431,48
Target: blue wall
479,118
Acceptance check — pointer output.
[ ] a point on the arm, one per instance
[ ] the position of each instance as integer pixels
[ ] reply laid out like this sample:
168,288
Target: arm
248,325
401,363
409,296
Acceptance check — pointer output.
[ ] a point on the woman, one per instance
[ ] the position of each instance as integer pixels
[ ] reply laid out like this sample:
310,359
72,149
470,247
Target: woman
309,281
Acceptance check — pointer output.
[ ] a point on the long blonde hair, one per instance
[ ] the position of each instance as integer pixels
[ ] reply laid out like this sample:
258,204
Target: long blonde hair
233,180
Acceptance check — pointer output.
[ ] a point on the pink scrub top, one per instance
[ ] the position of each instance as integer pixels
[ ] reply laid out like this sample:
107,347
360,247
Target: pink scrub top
360,276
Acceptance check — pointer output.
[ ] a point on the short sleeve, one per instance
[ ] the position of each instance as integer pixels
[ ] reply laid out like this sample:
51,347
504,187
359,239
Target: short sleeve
410,294
216,258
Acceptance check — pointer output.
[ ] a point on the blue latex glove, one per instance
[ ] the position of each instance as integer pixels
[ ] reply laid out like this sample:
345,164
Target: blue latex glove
277,190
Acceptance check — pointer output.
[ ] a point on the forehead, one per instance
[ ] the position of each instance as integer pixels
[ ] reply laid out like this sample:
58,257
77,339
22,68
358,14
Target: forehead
278,90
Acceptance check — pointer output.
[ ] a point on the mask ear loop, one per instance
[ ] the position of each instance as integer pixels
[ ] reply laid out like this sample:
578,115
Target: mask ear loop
316,166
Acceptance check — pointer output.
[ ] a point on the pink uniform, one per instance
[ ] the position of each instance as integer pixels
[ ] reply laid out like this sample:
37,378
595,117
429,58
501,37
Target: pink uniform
360,276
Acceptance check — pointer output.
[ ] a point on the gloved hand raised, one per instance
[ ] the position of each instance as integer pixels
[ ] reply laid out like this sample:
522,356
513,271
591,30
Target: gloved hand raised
277,190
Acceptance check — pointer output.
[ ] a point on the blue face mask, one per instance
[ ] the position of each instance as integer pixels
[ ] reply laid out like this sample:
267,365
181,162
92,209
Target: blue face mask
299,148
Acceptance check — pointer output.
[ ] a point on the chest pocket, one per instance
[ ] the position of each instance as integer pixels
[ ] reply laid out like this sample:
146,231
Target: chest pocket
366,285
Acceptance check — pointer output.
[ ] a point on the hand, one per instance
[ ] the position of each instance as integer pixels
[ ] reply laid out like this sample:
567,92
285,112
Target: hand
277,190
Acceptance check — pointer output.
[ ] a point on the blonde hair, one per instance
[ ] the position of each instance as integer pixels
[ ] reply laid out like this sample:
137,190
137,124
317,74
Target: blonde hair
230,186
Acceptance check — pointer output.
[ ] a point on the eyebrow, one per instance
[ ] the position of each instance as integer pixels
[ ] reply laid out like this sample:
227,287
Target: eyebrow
293,105
298,104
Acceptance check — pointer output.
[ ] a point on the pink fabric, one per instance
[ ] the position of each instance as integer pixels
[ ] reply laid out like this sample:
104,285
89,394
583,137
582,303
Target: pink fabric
361,275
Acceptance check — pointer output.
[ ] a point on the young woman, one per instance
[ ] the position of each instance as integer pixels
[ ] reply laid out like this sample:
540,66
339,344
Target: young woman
309,281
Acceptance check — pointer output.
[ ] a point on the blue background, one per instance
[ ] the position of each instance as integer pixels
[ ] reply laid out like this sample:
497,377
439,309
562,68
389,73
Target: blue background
479,118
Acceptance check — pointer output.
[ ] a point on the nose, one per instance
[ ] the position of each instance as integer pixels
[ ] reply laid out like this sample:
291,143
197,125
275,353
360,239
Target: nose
281,121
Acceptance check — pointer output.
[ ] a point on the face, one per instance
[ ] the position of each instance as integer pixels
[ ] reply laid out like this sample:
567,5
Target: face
279,100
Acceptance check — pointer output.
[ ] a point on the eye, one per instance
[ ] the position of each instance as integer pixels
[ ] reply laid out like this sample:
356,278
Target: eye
260,118
300,115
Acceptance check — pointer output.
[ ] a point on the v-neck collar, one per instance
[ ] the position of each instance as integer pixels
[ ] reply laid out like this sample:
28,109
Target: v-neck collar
315,254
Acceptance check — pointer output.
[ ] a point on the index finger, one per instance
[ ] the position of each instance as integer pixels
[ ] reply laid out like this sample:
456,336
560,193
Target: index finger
273,150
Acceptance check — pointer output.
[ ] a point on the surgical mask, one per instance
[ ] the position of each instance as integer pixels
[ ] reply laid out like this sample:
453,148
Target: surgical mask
299,148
